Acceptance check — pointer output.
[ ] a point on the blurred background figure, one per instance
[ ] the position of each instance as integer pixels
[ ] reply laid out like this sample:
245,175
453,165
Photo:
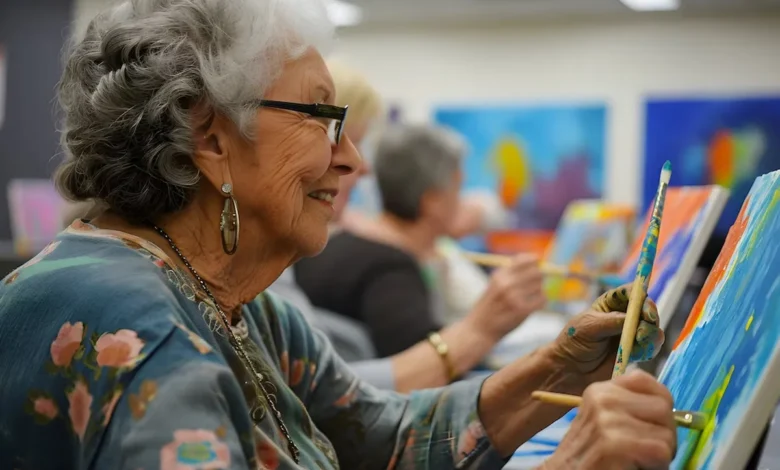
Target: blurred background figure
388,274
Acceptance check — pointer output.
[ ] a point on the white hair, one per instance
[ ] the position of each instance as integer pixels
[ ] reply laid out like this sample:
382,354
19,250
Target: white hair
130,84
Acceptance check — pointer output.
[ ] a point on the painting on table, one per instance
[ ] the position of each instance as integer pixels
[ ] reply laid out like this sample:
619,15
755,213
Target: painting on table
726,362
725,141
691,215
537,159
593,236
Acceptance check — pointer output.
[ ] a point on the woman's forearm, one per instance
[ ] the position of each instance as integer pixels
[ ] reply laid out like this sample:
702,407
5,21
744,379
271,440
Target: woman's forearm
507,411
421,366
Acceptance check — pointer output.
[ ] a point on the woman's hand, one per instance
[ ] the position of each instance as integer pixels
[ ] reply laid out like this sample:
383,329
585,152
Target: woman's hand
625,423
588,344
514,292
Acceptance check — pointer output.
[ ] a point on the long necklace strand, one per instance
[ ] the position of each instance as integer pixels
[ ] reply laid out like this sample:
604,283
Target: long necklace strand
235,341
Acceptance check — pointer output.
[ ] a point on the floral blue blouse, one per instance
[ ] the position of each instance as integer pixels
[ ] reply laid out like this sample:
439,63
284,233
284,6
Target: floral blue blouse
111,358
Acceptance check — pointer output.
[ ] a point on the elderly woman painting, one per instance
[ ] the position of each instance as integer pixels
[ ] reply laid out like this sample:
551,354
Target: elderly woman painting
142,339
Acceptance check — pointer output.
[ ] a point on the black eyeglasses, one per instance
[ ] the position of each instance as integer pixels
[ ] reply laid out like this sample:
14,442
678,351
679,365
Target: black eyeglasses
336,114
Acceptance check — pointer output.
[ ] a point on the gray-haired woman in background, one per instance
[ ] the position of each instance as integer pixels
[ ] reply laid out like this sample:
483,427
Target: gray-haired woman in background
388,274
142,339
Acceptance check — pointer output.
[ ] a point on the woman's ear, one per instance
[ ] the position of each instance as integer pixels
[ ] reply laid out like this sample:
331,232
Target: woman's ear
213,134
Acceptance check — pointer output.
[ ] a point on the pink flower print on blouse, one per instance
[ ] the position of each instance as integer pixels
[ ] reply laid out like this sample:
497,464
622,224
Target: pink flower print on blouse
45,408
80,403
267,455
120,349
468,440
195,449
66,344
41,406
297,372
108,408
199,343
284,365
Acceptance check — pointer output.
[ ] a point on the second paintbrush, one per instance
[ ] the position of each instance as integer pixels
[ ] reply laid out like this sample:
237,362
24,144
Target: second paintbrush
552,270
686,419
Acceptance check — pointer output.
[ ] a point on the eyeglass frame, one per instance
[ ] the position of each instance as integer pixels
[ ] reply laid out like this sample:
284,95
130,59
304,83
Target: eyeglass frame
317,110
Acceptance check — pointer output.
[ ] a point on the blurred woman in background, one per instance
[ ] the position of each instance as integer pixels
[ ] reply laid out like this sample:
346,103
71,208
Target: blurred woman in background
388,273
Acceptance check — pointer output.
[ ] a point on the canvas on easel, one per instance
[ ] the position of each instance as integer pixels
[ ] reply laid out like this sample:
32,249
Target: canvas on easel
690,217
593,236
693,212
726,362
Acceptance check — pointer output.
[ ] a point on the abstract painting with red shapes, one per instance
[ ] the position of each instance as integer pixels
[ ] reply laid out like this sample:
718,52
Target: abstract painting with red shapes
537,159
725,141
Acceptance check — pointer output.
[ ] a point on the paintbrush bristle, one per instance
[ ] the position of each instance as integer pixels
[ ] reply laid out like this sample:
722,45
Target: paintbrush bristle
666,172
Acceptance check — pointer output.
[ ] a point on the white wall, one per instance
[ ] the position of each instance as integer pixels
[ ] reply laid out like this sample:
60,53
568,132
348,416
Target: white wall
617,61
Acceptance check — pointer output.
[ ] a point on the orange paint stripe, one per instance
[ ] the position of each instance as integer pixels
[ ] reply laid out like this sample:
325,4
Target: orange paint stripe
717,273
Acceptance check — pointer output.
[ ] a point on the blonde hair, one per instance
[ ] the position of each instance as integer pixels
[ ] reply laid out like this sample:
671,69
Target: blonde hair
354,89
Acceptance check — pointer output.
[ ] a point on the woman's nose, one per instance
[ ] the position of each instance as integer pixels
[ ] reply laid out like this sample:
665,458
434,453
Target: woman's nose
346,158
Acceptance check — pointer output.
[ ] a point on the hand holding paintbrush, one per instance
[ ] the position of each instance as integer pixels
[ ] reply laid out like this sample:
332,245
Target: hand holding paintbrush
643,272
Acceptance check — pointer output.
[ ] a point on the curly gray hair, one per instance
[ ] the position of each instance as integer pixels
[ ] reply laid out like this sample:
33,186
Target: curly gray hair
131,82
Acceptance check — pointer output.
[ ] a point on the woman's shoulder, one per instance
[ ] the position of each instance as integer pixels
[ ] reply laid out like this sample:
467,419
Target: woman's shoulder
76,271
104,284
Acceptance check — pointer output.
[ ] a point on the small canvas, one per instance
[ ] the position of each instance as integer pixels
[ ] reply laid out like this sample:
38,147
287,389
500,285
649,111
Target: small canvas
688,221
36,213
593,236
726,361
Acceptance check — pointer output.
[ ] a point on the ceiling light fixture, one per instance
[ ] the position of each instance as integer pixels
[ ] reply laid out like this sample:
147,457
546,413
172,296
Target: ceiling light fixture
342,13
652,5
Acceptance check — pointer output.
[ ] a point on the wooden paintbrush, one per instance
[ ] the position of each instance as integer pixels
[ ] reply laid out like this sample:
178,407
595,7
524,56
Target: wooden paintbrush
686,419
497,261
643,271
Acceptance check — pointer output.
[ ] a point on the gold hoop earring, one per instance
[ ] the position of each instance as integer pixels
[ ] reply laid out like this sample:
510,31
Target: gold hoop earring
229,223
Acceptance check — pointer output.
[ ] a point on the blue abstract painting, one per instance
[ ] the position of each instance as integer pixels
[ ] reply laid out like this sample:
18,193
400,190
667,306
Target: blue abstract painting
537,159
723,141
726,361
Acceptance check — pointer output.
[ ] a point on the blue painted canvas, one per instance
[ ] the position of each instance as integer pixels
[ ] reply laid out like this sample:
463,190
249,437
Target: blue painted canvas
723,141
726,361
537,159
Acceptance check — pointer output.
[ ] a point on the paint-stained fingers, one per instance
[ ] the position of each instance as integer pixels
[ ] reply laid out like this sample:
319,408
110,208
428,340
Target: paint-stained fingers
648,342
597,325
650,312
616,300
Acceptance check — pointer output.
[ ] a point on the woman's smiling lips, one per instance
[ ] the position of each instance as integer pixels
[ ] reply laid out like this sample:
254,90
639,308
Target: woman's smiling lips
324,196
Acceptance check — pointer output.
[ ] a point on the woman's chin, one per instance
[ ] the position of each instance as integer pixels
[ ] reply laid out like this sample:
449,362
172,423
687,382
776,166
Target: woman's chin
312,242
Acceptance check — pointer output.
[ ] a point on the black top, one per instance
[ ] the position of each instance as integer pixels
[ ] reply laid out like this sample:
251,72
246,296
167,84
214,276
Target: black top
376,284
